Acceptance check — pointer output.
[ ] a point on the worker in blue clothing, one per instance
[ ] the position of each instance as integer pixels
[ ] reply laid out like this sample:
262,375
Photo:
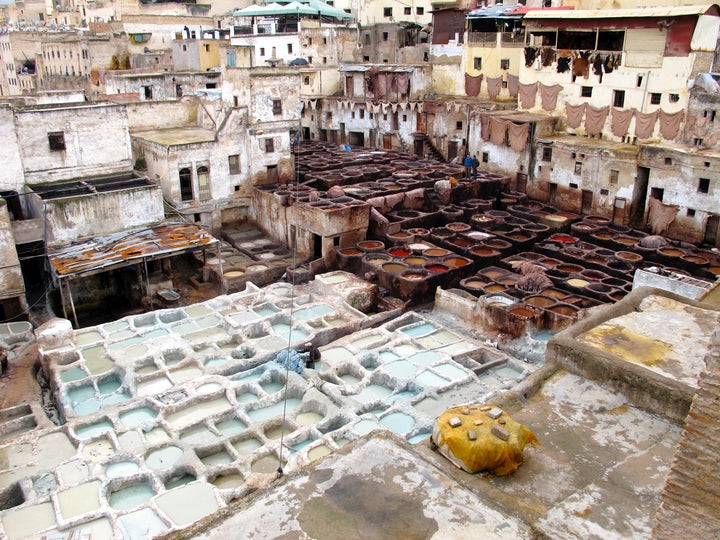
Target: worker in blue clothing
468,163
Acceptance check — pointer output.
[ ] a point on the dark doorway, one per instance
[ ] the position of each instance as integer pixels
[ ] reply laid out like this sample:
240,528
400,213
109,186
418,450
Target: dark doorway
619,210
587,201
657,193
452,150
272,174
342,133
552,192
521,182
418,146
711,230
637,205
317,246
356,138
323,135
306,133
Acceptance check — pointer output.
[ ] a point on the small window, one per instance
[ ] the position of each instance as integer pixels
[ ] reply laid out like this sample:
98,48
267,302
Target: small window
485,157
578,167
306,81
367,39
697,141
655,98
618,98
325,39
352,114
547,153
56,140
573,185
707,163
362,113
604,192
277,107
324,59
387,12
586,91
614,176
420,10
269,146
207,47
458,125
704,185
262,51
309,41
639,81
328,116
690,212
385,36
477,63
184,48
234,164
505,63
668,161
289,48
203,175
407,11
186,193
674,98
404,117
366,58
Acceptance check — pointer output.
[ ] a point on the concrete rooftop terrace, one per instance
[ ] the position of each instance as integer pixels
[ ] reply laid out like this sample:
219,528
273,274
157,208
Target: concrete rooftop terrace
174,426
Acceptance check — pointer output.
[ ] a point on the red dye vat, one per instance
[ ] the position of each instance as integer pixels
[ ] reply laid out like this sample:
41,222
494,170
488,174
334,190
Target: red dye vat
436,268
399,252
563,238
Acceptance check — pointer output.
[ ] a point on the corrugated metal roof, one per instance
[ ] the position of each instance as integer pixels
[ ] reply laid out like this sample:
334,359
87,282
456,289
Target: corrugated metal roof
669,11
129,247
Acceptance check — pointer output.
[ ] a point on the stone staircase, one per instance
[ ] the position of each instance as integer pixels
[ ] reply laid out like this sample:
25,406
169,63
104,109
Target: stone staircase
429,147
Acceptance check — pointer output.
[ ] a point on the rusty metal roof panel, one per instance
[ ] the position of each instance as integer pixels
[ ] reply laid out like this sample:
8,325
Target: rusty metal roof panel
129,247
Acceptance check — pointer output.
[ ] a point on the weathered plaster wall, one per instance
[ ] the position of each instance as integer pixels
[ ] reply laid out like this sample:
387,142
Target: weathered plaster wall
11,280
96,137
74,218
678,174
11,174
162,114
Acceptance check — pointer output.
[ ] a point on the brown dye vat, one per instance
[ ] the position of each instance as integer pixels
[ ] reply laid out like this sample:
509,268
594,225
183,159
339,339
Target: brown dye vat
628,256
350,251
473,284
495,288
605,235
370,245
614,282
507,280
593,275
670,252
595,260
436,252
549,263
458,227
400,235
461,242
399,252
524,312
695,260
419,232
626,240
485,252
414,261
482,221
569,268
436,268
493,273
519,237
498,244
539,301
554,293
393,267
455,262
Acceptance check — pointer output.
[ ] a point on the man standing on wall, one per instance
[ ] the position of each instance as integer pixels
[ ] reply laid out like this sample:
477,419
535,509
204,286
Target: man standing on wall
475,165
